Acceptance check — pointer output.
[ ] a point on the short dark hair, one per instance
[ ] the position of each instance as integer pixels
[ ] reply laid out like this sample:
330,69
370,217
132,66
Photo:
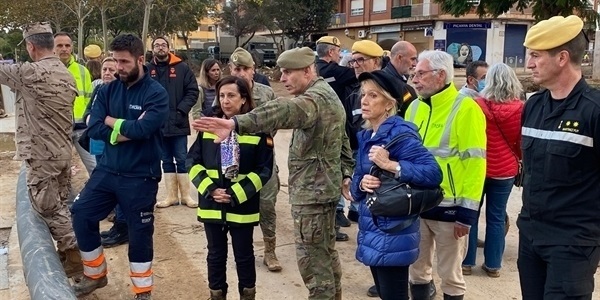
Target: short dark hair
42,40
63,33
471,69
576,47
244,90
161,38
128,42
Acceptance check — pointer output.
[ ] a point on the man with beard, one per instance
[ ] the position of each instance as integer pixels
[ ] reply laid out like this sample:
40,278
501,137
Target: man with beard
128,115
179,81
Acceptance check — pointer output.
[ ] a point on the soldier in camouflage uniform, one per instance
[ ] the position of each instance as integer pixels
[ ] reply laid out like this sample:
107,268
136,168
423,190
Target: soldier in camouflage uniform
317,169
44,106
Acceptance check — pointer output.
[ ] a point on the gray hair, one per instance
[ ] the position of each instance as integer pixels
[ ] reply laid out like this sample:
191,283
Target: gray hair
502,84
323,49
42,40
439,60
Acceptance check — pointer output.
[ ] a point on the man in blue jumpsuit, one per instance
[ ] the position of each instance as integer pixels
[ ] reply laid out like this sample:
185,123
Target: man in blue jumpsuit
559,224
128,115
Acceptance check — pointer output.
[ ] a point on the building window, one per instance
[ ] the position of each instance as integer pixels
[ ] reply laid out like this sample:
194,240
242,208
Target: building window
211,28
414,2
379,6
356,7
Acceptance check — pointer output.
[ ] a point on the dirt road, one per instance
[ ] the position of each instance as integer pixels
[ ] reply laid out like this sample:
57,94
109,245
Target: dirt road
180,252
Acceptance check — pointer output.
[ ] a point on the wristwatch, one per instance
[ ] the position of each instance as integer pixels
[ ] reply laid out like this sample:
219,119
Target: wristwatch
398,170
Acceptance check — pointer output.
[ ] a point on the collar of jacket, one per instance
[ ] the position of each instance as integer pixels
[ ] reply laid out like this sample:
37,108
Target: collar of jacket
390,67
172,60
310,84
444,97
71,60
571,99
392,126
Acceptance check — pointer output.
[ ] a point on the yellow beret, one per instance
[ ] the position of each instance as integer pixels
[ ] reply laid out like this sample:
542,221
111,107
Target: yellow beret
241,57
551,33
297,58
367,47
92,51
35,28
332,40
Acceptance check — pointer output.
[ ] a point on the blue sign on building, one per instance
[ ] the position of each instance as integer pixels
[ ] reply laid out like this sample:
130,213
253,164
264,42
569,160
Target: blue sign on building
476,25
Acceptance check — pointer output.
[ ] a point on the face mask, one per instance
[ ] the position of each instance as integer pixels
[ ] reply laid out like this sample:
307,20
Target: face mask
480,85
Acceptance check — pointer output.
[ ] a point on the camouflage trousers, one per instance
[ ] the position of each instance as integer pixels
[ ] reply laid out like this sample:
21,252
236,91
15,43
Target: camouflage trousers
48,186
268,198
318,261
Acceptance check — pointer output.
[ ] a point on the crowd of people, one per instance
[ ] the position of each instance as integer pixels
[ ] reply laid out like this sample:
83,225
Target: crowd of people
129,121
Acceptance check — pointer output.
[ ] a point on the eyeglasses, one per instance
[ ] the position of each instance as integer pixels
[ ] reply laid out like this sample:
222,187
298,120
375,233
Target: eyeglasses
161,45
420,74
358,61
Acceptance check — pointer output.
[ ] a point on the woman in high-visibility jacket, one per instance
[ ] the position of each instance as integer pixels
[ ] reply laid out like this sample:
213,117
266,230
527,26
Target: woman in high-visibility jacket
228,177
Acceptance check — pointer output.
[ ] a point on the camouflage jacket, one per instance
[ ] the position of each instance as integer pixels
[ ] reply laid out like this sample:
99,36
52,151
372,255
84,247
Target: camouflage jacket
320,154
45,91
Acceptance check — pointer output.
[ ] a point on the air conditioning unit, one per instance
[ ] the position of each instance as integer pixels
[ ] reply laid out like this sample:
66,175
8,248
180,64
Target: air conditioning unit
362,34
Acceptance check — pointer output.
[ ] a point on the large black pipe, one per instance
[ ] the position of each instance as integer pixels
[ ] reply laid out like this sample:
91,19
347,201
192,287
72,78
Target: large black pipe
44,274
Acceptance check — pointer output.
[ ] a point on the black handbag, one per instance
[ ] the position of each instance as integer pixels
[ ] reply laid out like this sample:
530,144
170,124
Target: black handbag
399,199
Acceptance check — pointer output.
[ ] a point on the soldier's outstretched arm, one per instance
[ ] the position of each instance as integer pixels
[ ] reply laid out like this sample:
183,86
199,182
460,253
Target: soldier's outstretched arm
11,75
297,113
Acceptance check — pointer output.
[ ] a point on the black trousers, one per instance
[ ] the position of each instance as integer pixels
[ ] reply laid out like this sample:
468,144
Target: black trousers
557,272
391,282
243,251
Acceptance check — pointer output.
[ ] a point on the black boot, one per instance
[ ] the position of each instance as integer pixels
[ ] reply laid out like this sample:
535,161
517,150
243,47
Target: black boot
420,291
119,236
448,297
340,219
353,216
340,236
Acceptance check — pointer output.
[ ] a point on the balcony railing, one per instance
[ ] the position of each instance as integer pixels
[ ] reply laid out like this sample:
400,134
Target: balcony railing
338,19
416,10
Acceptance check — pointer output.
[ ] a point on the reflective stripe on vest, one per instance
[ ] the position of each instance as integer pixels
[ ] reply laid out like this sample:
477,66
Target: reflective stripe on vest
141,276
239,190
197,180
242,139
230,217
94,263
569,137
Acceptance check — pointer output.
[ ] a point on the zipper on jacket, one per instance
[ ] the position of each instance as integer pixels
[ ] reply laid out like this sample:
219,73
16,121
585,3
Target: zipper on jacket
451,179
427,126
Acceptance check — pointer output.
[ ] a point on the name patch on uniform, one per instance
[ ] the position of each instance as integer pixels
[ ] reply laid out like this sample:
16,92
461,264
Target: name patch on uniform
135,107
569,126
406,97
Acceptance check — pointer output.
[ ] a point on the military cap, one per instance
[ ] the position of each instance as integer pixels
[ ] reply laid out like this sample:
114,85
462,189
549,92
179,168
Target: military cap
367,47
297,58
35,28
92,51
241,57
551,33
332,40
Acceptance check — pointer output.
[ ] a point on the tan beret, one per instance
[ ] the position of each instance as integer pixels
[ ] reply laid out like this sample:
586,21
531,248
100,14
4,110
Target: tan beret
332,40
367,47
92,51
551,33
241,57
297,58
36,28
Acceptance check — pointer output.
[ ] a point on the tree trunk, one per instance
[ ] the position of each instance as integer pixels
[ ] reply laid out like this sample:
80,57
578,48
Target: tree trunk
237,41
248,40
104,29
147,9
